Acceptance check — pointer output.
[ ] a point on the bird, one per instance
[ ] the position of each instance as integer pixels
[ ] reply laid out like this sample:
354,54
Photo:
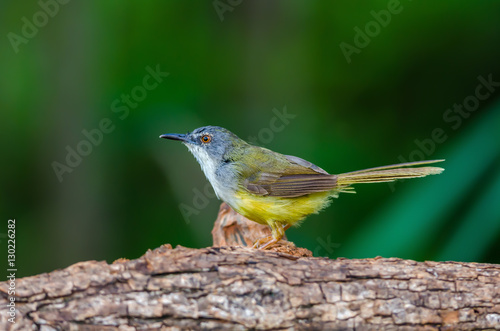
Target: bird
275,189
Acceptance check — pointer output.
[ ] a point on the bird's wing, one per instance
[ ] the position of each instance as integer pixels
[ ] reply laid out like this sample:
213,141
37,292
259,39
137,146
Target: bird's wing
286,176
301,162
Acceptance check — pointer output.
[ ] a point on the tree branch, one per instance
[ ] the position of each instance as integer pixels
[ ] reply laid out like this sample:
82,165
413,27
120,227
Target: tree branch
231,288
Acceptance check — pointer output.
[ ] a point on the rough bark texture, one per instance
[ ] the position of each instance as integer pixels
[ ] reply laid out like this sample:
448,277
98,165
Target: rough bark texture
236,288
241,288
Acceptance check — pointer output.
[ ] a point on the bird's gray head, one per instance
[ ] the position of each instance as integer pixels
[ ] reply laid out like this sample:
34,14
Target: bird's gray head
209,144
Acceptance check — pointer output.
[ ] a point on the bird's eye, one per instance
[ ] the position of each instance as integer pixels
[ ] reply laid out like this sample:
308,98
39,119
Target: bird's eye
206,138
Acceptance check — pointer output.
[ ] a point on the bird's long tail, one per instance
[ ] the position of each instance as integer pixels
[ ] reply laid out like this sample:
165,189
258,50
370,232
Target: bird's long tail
387,173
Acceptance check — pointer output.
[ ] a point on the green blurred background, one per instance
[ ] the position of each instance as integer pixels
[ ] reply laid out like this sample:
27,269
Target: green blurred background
240,65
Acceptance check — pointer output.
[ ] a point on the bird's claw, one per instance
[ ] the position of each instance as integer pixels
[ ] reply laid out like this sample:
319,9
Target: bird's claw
264,243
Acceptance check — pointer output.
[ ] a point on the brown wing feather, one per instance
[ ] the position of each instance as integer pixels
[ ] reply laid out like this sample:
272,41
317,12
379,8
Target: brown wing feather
301,162
295,177
298,185
300,178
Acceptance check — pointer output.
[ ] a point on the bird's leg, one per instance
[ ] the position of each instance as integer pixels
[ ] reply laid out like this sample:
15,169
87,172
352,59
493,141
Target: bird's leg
264,242
278,230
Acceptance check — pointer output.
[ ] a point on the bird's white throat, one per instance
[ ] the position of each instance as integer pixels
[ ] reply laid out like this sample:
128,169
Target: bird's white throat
209,167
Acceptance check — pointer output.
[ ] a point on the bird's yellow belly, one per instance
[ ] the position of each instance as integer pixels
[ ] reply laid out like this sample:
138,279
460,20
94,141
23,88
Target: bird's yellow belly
263,209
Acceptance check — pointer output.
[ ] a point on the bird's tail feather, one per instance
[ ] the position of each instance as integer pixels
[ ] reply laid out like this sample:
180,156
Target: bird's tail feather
384,174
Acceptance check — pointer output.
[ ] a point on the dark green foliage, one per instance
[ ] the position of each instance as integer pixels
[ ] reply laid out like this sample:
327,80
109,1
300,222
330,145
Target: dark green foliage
397,100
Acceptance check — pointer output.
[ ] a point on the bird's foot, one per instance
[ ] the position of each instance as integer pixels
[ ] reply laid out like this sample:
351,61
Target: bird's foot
265,243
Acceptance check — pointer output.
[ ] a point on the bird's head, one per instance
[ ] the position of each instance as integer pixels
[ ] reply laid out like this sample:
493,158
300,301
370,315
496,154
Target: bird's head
210,145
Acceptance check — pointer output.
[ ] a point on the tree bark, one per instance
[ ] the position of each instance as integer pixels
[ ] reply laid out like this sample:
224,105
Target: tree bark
237,288
240,288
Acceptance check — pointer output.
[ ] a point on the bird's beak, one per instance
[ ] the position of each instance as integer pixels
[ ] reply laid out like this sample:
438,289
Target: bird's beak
175,136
